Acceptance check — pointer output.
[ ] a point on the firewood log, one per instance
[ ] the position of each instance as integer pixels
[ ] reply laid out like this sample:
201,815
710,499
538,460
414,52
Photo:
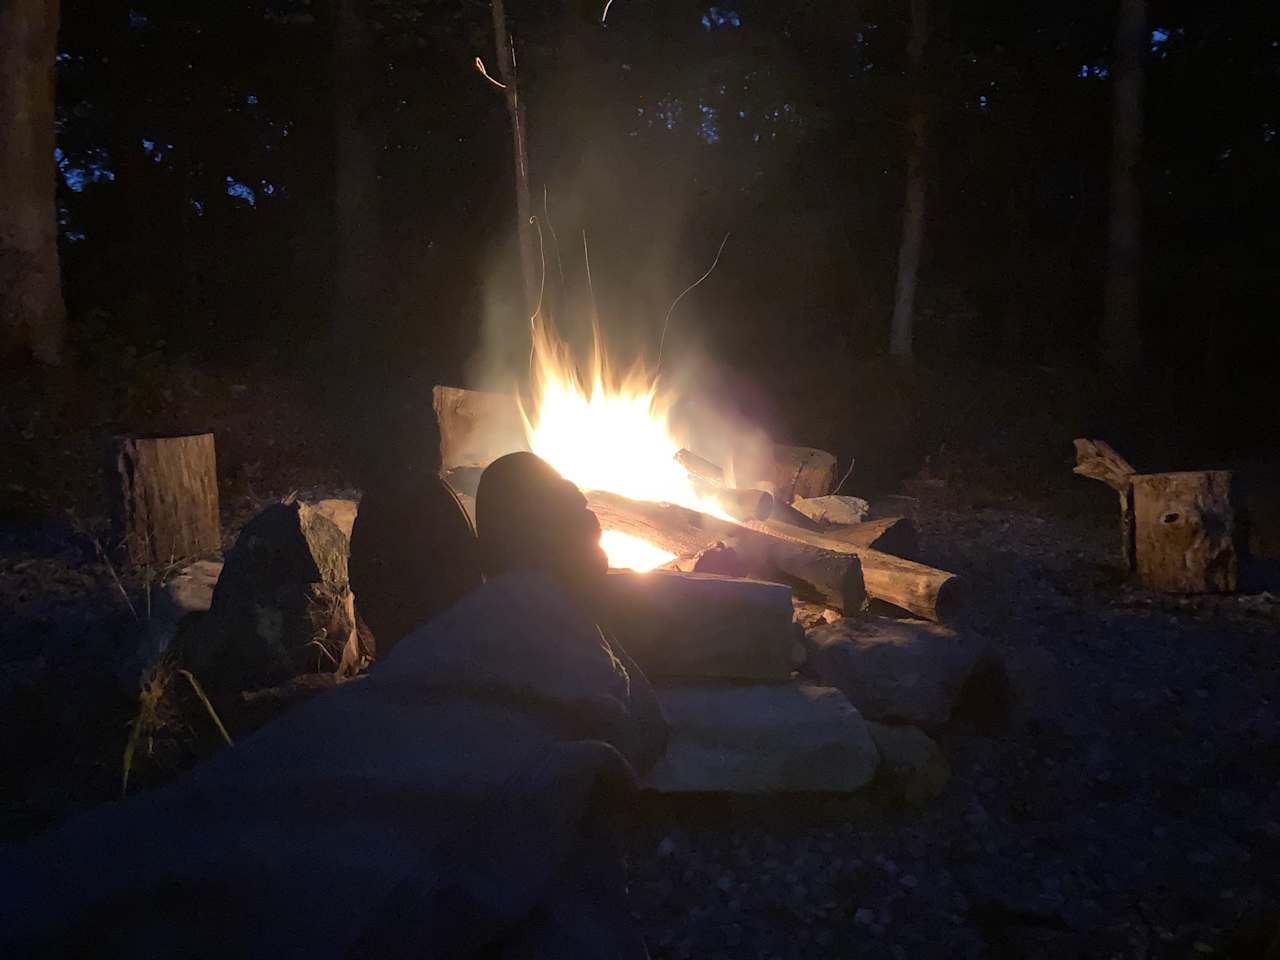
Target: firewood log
476,427
919,589
1098,460
739,503
166,498
803,472
896,535
1185,532
833,575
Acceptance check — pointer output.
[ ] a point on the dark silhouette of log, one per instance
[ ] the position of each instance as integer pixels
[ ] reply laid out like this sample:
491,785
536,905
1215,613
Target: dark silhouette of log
166,498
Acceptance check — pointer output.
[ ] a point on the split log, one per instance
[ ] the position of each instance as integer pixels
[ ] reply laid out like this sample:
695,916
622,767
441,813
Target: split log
919,589
166,498
740,503
833,575
896,535
699,625
1098,460
476,427
1185,532
803,472
699,468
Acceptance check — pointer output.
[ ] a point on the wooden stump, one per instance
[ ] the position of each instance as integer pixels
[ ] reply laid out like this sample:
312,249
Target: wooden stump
166,497
1185,532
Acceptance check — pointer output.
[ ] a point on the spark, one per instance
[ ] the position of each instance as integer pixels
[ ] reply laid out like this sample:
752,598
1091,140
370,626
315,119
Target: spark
485,73
662,341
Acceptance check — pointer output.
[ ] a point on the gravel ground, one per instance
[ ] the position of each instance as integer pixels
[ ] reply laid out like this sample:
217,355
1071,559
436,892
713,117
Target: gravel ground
1129,808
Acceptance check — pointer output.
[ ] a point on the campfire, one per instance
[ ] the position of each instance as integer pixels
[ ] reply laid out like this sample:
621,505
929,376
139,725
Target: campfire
768,516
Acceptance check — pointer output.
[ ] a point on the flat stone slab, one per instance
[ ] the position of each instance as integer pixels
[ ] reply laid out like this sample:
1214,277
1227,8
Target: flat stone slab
763,739
693,625
901,671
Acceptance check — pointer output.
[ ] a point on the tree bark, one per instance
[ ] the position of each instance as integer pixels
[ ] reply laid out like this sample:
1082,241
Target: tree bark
1121,338
166,501
355,177
529,259
904,301
32,313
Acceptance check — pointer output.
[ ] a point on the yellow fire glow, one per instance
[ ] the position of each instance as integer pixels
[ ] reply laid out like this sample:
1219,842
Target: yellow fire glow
606,431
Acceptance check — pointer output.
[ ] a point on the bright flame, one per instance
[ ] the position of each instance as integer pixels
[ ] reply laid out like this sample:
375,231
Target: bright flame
607,432
624,550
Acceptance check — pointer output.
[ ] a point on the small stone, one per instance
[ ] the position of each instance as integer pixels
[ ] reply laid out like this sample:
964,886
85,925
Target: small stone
909,881
864,917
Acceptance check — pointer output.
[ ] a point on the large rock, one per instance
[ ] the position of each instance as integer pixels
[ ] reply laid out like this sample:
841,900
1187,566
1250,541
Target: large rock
282,605
913,769
187,591
762,739
689,625
903,671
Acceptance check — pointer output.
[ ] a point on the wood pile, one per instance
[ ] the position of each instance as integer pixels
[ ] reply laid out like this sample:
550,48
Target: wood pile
781,529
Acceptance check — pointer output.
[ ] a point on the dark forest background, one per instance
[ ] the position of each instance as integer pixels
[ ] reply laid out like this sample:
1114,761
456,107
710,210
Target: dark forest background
201,168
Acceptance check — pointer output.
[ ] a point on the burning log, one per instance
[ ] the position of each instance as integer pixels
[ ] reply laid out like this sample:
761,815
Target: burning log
742,504
833,575
700,469
698,625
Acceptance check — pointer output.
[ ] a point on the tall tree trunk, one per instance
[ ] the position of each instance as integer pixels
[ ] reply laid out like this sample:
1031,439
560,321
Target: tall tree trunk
32,313
355,177
1121,340
530,262
904,301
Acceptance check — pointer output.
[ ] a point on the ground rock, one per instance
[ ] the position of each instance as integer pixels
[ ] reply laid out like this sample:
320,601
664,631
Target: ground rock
907,671
282,605
187,591
689,625
912,767
762,739
341,512
833,509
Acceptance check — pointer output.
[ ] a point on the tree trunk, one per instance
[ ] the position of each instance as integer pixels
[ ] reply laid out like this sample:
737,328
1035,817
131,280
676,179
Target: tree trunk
530,261
904,301
355,177
32,314
1121,340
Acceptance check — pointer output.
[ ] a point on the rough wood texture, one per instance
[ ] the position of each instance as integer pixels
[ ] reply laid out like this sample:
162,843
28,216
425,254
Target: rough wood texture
1185,532
896,535
833,575
802,472
476,427
32,315
1098,460
919,589
697,625
167,498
